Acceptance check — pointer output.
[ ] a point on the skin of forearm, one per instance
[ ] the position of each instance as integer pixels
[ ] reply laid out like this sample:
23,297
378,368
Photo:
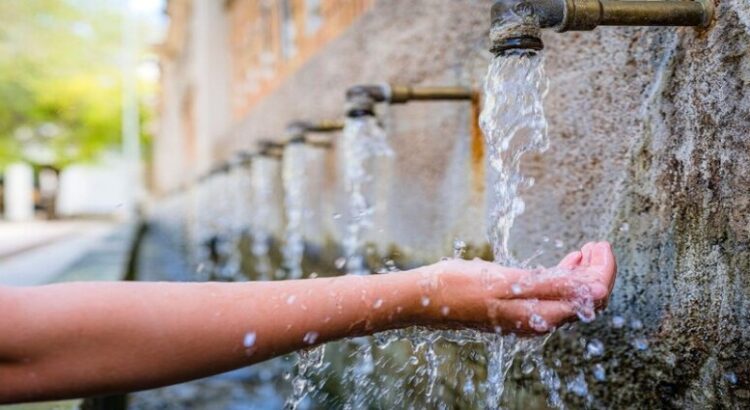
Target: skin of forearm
74,340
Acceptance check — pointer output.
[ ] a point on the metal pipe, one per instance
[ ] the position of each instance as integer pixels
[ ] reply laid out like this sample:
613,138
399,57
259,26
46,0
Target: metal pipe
361,99
588,14
271,149
404,94
300,128
517,24
299,131
242,159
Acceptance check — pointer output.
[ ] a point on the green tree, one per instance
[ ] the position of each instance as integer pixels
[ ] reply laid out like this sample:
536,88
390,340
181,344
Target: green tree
60,80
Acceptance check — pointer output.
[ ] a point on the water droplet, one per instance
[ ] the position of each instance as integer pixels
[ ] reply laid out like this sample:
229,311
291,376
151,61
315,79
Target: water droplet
516,289
618,322
559,244
290,299
340,263
586,311
578,386
378,304
459,248
600,374
595,348
310,337
425,301
445,310
730,377
640,343
538,323
249,340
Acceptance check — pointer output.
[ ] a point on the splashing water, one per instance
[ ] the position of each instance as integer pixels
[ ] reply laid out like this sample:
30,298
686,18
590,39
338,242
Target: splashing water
293,175
514,124
309,362
294,205
364,141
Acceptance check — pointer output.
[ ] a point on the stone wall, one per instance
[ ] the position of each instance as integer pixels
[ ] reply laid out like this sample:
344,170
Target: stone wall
650,149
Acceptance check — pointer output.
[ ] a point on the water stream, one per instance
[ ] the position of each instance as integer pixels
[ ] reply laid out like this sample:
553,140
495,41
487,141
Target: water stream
293,174
364,141
262,180
514,125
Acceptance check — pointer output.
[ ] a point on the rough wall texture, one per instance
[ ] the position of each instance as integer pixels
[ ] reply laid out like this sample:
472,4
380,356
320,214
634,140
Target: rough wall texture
650,132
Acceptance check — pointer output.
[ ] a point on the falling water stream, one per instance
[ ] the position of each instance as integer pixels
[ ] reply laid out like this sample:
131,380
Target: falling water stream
293,174
514,125
364,141
262,179
294,178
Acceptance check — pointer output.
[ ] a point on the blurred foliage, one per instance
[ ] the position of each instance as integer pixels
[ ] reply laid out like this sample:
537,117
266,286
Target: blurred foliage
61,80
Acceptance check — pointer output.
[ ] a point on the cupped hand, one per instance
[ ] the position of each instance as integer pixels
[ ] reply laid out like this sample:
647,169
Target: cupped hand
491,297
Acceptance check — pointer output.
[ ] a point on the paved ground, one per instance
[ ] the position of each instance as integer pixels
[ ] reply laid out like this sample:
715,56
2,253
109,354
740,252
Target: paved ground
35,253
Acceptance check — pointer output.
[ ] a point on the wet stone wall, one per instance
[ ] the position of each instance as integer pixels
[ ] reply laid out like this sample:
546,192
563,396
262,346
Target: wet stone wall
650,149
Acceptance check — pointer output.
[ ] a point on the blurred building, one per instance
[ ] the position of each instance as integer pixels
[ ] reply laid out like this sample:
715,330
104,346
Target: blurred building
222,58
648,148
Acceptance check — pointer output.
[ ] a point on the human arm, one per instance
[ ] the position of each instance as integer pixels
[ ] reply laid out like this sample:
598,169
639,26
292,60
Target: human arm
81,339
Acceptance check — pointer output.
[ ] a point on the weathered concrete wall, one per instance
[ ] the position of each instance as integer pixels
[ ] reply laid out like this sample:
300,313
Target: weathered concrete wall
650,149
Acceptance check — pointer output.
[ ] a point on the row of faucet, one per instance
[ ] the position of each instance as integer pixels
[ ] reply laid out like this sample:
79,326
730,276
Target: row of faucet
361,101
515,28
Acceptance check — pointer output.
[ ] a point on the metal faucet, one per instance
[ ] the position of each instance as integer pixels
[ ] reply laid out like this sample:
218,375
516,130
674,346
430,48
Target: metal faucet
298,132
361,99
271,149
517,24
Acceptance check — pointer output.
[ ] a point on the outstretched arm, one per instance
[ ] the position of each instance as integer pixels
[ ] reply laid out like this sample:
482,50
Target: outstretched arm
75,340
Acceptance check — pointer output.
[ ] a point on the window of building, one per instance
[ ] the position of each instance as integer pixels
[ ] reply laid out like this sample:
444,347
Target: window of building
313,17
288,31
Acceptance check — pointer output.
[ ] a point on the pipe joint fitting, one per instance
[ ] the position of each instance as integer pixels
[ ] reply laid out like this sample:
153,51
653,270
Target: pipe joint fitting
271,149
517,24
361,99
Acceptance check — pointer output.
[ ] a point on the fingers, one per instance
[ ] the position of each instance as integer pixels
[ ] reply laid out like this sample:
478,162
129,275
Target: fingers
551,287
571,261
587,251
600,253
530,317
589,273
